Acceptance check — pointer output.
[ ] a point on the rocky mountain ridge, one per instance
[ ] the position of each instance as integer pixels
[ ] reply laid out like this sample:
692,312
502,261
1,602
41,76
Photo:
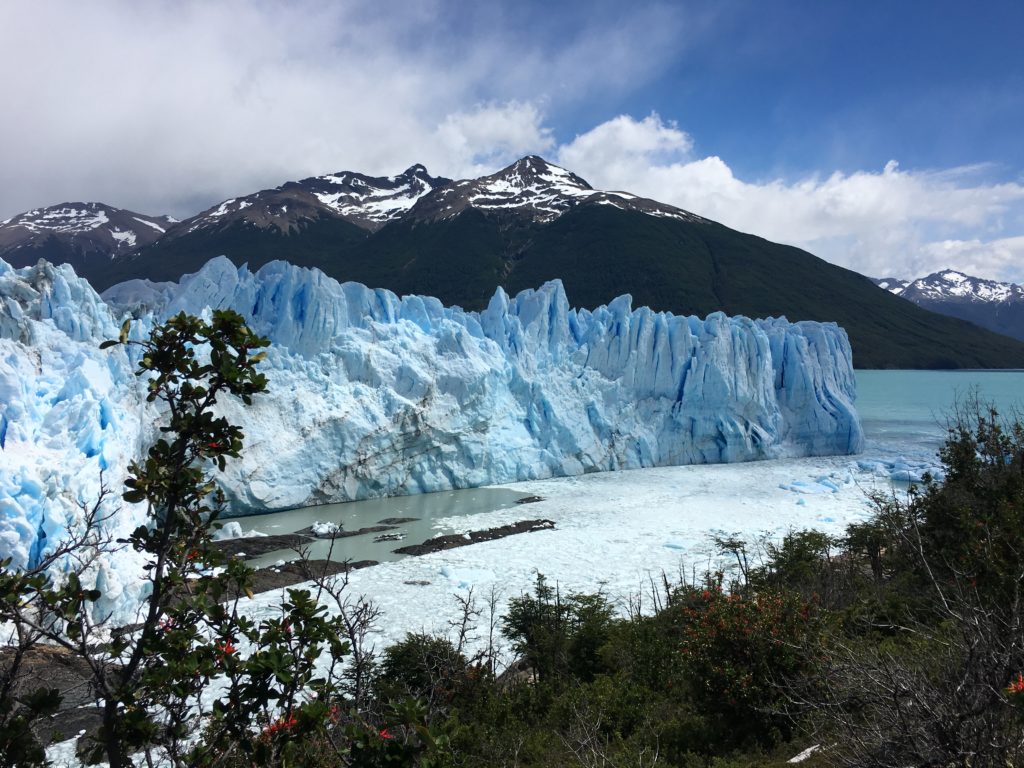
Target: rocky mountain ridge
991,304
78,234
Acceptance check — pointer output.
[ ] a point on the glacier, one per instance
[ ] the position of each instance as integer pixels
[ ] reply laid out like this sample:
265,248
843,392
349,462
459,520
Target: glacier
371,394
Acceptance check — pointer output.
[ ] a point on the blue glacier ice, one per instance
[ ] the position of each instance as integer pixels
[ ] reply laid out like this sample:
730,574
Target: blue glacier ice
371,394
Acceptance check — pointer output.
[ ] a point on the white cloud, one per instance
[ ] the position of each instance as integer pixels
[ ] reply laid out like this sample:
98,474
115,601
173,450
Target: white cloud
163,107
493,135
887,222
1004,256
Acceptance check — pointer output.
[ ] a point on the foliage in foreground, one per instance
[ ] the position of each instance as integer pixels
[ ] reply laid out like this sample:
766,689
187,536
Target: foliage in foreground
267,685
901,643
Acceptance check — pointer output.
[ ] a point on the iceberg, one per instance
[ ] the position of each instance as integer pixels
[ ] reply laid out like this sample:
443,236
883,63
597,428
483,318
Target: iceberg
371,394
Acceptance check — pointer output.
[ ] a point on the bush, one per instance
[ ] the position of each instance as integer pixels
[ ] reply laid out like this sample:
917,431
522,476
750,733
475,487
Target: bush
739,649
559,637
424,667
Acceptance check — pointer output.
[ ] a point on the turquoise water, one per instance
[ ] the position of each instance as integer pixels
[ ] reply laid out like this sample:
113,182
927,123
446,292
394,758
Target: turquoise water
907,411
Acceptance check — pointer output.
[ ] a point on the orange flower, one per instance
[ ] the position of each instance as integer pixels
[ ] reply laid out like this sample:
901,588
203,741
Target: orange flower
225,648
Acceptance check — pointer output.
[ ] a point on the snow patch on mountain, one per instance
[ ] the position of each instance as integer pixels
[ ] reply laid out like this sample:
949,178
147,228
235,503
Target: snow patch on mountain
83,228
953,285
64,218
153,224
991,304
534,188
379,203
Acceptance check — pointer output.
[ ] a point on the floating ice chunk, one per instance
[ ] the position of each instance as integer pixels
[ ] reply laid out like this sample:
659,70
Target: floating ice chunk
324,529
465,578
232,530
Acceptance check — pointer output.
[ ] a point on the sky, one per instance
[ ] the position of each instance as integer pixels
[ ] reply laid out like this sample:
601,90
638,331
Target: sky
882,136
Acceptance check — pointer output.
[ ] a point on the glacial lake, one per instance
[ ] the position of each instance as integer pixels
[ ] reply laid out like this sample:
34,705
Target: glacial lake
909,410
903,413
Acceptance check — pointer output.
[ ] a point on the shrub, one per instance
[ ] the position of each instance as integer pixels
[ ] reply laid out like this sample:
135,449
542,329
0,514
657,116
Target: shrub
739,648
559,637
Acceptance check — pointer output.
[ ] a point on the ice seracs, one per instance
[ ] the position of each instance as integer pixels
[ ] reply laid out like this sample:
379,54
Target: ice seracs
371,394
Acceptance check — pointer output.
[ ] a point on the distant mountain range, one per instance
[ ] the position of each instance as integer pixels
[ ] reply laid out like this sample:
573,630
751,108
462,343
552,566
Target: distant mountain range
85,235
990,304
528,223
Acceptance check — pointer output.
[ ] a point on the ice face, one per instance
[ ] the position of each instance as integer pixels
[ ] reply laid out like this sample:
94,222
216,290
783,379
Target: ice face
371,394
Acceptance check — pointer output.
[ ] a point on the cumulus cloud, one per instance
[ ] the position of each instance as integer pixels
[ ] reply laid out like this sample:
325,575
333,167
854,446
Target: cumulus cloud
1004,256
887,222
490,135
167,107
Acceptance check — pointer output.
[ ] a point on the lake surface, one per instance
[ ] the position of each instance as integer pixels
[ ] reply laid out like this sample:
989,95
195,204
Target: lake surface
903,413
907,411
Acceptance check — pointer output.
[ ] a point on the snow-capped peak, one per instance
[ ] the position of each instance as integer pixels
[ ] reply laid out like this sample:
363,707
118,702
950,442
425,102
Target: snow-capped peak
534,171
82,228
64,217
375,200
369,202
531,188
991,304
952,285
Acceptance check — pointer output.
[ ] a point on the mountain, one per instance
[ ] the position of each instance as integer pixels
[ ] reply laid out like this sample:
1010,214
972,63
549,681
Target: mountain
364,201
531,190
990,304
300,221
85,235
532,222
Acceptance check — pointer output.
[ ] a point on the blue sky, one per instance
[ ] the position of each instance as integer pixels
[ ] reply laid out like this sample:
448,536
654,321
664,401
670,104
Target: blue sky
798,87
881,136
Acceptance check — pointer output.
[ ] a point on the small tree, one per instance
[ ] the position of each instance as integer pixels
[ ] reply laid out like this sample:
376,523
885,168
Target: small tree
277,702
150,677
558,637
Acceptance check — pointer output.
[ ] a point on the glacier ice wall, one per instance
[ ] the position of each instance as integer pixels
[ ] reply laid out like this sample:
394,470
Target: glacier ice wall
371,394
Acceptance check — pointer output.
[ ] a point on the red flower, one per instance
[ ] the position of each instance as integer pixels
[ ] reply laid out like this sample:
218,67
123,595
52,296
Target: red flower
1017,686
225,648
281,724
385,734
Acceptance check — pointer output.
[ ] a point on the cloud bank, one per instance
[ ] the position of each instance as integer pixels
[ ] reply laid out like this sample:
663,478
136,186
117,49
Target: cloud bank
171,107
883,223
167,107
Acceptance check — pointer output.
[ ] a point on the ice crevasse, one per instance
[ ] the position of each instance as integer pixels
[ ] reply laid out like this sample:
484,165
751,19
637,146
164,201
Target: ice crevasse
371,394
